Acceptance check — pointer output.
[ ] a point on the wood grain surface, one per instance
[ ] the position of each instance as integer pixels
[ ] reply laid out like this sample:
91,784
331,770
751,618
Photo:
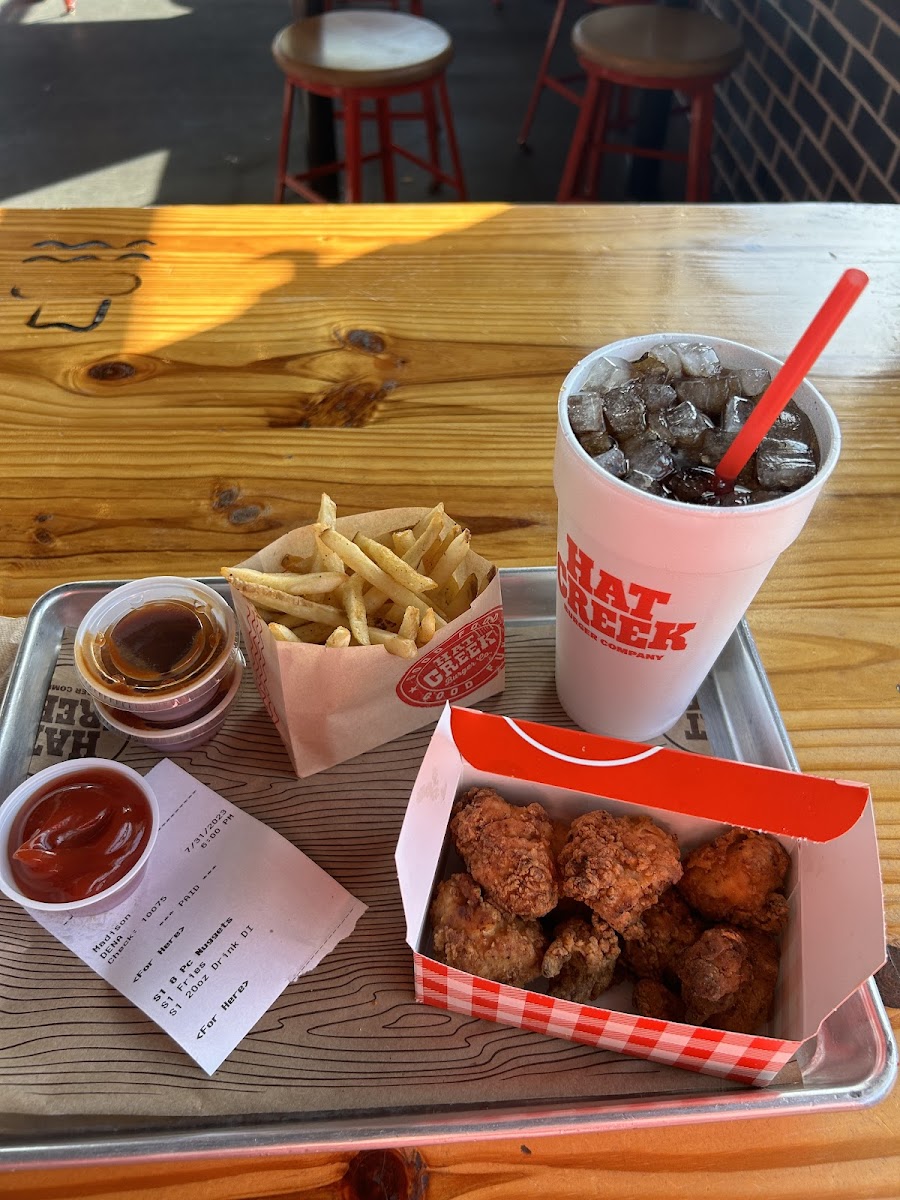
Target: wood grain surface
180,394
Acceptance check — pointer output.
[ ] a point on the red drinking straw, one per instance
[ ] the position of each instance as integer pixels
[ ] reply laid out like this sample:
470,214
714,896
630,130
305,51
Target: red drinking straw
796,367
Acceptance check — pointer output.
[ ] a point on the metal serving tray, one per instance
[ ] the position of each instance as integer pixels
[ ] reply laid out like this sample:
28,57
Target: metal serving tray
852,1063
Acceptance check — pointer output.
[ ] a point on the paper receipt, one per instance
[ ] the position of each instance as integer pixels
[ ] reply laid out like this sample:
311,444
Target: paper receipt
226,916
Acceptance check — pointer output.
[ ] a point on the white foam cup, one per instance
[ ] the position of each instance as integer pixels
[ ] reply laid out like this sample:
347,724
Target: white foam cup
649,589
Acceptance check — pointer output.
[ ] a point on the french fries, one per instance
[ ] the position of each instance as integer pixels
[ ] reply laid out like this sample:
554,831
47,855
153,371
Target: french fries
394,593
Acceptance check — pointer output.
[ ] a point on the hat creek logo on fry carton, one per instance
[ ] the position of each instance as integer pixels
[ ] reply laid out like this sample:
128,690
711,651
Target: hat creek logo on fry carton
460,665
360,628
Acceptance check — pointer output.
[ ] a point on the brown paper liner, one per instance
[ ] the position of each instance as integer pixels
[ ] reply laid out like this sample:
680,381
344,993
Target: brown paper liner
345,1041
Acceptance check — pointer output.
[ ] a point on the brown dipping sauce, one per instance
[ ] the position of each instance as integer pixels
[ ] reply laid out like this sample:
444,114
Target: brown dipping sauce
162,645
79,836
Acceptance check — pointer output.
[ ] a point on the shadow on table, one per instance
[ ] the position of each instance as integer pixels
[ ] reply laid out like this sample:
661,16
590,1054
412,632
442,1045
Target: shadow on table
280,349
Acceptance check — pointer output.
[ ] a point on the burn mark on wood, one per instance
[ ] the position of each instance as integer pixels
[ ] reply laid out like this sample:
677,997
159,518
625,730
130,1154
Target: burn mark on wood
34,321
91,283
52,243
55,258
344,406
111,372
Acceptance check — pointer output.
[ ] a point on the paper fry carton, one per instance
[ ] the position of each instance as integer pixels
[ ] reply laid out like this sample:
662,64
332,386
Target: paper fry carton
835,936
331,704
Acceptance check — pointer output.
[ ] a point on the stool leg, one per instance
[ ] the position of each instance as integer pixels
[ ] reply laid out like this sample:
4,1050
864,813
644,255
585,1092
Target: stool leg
287,109
452,144
352,148
591,180
429,110
385,146
543,70
700,147
571,170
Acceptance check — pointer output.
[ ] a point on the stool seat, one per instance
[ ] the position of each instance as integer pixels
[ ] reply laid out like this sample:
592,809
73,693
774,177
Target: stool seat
657,43
362,49
658,48
560,84
364,60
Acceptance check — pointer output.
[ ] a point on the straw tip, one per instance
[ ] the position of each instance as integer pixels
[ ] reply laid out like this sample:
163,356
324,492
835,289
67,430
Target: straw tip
856,278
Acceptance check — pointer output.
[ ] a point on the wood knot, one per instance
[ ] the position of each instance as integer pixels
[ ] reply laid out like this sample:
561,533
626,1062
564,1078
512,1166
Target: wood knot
111,372
228,500
384,1175
43,536
225,498
246,515
364,340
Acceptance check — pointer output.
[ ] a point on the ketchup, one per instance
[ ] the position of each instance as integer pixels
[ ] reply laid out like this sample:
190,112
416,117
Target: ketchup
79,836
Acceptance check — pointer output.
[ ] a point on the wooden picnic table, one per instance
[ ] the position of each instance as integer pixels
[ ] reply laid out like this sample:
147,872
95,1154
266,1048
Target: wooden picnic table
179,385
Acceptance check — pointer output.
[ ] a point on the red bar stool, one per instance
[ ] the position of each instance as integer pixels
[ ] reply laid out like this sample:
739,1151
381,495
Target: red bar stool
673,49
552,82
415,6
359,57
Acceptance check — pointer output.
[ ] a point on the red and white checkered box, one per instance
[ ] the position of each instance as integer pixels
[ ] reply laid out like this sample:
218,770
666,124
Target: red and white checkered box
835,937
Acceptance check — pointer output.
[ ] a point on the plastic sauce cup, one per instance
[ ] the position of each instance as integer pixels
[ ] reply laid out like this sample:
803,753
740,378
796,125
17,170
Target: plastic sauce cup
29,795
170,738
156,647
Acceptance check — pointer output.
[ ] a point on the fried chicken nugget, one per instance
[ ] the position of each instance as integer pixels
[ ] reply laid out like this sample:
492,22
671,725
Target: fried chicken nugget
653,999
507,849
728,979
473,935
618,866
581,959
658,938
738,879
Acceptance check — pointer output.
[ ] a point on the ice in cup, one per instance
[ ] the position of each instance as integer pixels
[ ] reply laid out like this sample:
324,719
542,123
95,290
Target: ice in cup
651,586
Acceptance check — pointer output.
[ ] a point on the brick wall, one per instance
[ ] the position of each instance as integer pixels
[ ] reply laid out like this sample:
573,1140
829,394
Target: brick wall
813,111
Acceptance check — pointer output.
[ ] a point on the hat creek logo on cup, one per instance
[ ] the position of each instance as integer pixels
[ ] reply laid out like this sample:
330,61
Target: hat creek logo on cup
457,667
622,616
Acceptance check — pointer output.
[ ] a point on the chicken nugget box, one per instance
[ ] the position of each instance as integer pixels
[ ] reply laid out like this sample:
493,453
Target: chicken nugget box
835,936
